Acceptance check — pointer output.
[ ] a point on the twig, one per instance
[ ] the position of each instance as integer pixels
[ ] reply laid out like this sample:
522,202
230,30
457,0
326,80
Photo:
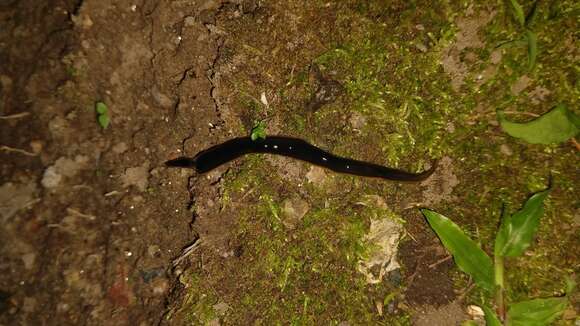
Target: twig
575,143
411,235
14,116
74,212
464,293
530,114
440,261
31,203
186,252
411,278
16,150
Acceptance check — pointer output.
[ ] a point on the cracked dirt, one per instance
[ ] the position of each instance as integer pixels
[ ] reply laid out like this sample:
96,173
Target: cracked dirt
92,224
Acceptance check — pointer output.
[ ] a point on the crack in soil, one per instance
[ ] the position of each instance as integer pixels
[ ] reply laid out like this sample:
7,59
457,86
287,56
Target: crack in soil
212,73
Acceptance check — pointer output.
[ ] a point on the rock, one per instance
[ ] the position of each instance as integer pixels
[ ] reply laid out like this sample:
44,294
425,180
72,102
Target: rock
316,175
506,150
36,146
51,178
63,167
358,121
163,100
28,304
57,126
137,176
293,211
120,148
28,260
384,236
189,21
440,185
520,84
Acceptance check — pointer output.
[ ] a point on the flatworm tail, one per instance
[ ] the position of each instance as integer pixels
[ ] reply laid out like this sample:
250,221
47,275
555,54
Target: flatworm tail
181,162
230,150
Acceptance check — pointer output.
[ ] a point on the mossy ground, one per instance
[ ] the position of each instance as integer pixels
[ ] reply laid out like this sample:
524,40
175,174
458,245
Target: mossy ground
388,58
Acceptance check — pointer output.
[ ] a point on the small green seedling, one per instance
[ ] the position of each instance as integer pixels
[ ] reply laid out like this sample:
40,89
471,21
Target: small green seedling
513,237
529,37
556,126
259,131
102,115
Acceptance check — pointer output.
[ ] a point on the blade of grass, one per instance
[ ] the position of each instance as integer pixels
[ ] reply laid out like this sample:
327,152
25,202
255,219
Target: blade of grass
532,49
518,12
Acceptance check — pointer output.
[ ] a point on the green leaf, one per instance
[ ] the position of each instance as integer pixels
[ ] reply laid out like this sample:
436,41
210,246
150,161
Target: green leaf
104,120
555,126
101,108
490,317
521,42
532,48
531,16
468,256
516,232
537,312
518,12
259,131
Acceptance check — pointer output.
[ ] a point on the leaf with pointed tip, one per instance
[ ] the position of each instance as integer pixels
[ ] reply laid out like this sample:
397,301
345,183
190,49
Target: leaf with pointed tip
517,231
518,12
490,317
532,48
531,16
467,255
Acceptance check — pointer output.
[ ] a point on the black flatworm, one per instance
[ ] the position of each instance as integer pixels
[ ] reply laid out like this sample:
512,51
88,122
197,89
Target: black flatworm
230,150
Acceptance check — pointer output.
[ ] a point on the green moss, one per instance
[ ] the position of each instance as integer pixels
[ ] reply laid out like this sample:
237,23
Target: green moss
393,78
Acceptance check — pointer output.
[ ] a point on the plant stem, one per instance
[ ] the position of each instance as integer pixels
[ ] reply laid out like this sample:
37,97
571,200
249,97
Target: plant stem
499,286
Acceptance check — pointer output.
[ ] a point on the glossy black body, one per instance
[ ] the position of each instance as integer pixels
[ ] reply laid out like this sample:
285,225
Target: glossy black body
215,156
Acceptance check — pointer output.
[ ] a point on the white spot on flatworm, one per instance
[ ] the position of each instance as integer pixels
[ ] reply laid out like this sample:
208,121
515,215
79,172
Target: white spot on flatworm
290,147
324,158
275,146
265,146
348,167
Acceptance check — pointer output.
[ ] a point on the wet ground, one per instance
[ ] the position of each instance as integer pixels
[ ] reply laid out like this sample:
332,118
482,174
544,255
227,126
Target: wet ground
95,230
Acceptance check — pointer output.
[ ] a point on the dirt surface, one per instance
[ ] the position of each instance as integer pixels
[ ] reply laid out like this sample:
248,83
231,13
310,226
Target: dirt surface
95,230
91,236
